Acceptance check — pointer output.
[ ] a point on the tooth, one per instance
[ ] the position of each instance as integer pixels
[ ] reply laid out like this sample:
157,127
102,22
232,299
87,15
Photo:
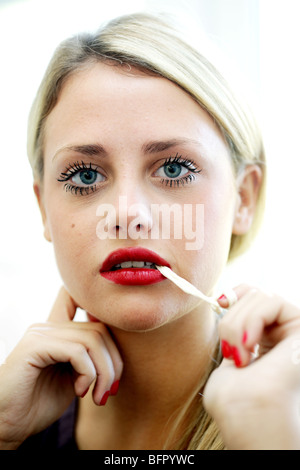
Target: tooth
138,264
126,264
135,264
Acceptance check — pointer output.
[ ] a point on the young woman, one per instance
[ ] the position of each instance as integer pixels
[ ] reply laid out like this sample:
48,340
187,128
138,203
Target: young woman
125,121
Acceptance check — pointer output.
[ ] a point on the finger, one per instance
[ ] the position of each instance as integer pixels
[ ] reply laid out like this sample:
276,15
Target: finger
89,334
246,321
257,315
113,352
230,296
95,341
95,338
57,350
242,326
64,308
105,377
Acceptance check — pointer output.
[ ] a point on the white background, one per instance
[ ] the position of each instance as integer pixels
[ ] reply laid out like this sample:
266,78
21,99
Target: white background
261,36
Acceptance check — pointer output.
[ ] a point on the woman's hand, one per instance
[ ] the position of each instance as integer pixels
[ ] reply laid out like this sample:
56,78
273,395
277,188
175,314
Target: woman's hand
53,363
256,402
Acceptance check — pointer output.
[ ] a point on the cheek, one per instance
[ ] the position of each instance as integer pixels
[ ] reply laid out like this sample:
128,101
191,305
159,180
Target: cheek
74,241
208,262
219,218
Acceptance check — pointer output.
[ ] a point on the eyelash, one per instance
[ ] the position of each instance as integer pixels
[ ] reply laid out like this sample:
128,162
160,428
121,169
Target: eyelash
184,162
74,168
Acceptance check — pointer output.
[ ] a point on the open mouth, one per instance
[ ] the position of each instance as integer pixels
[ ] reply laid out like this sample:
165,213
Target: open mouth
133,266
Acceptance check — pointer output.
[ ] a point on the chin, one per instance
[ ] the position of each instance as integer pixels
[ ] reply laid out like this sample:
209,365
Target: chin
138,311
132,314
136,315
142,323
139,319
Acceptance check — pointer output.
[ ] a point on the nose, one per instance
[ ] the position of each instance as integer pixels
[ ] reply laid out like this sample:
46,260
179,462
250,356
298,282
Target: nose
133,219
129,217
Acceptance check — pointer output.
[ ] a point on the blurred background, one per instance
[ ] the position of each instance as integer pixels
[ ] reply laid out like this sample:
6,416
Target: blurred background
260,36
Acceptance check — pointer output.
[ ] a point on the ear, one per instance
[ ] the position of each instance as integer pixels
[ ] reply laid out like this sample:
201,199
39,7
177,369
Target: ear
248,185
38,192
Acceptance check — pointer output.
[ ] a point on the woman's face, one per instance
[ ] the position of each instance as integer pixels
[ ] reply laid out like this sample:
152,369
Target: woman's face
122,147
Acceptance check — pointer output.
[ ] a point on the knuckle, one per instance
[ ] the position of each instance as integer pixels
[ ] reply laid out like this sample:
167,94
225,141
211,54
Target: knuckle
91,375
100,328
95,341
228,329
107,371
35,326
119,366
95,336
245,286
225,324
79,349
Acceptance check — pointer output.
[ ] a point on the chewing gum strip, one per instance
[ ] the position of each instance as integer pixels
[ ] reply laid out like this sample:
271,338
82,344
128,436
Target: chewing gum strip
188,288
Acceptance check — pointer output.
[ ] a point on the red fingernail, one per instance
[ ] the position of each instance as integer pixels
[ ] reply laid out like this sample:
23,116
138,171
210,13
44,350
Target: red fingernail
104,399
84,393
114,388
236,357
245,337
223,297
226,349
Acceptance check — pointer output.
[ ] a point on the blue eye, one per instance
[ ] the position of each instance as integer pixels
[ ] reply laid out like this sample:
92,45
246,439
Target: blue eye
87,177
176,171
173,170
81,178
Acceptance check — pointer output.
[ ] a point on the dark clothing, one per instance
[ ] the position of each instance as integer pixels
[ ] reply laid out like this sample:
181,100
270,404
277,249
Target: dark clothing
58,436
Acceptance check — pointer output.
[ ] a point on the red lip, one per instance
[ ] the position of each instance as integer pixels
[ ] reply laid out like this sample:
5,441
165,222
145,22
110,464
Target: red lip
133,276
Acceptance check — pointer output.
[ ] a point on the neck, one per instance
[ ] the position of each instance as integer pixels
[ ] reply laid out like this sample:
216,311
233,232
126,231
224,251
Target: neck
162,368
155,360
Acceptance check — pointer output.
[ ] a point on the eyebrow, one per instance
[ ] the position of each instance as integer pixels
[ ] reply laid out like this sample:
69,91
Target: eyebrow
161,146
87,149
147,148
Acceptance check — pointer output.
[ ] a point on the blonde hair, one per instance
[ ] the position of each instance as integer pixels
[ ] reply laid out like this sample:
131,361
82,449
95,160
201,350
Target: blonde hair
153,45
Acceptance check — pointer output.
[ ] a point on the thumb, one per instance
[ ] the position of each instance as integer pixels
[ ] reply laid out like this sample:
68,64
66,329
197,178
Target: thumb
64,308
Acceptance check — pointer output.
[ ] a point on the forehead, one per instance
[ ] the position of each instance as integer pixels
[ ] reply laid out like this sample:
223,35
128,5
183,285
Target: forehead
111,102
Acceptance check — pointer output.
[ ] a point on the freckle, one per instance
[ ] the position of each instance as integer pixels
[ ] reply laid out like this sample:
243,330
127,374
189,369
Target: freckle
73,225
